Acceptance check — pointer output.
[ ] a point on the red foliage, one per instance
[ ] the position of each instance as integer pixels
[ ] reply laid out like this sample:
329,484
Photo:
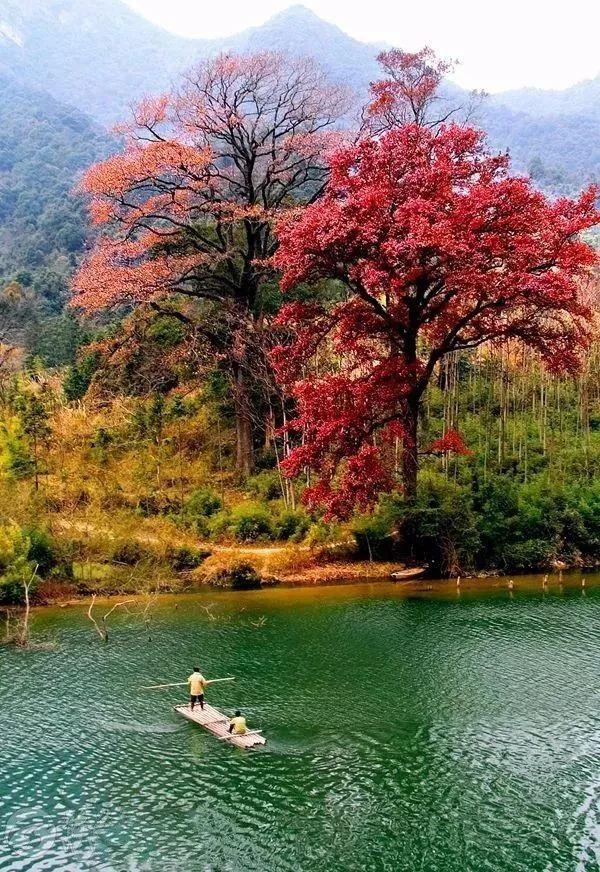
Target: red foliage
439,249
409,90
185,212
450,443
187,206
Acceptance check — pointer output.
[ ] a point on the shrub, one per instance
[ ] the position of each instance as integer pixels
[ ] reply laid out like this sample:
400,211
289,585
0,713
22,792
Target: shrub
202,504
15,566
249,522
50,556
131,552
441,528
79,377
588,506
240,576
291,524
374,533
265,485
216,526
183,559
530,554
322,533
526,526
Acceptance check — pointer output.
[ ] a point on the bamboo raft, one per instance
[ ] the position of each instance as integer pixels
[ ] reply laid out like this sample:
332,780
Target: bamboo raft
408,574
218,724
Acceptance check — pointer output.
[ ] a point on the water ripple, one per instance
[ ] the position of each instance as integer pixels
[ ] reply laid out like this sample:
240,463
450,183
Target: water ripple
404,734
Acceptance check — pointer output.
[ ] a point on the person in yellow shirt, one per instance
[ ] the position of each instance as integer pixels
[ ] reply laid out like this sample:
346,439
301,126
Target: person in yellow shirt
237,725
197,683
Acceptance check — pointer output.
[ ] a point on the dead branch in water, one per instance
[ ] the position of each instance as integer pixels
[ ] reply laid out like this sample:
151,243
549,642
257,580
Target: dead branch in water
145,613
20,634
23,638
102,627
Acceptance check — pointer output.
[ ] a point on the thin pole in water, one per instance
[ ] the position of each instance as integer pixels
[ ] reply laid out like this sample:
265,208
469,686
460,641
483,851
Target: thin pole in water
182,684
239,735
158,686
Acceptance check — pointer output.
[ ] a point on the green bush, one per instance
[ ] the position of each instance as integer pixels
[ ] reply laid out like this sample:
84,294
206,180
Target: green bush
183,559
79,377
529,554
291,524
50,556
265,485
322,533
587,502
373,533
441,527
250,521
15,567
217,526
527,525
202,505
241,576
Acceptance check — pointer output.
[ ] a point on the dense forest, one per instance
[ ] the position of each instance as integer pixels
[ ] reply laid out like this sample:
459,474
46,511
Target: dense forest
125,492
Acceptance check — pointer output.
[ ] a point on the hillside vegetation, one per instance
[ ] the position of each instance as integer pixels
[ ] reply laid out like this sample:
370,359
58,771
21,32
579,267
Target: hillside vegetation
139,493
43,148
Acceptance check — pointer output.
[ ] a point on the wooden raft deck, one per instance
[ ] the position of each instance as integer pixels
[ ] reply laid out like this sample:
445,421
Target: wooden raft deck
218,724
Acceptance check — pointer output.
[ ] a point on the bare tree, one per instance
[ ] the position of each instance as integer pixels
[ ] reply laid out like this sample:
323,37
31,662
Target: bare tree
102,626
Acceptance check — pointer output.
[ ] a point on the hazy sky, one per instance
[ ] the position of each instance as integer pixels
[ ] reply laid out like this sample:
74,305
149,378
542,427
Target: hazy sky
500,45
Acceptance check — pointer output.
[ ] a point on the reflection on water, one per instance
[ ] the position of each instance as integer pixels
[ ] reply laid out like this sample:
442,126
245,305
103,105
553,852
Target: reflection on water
419,730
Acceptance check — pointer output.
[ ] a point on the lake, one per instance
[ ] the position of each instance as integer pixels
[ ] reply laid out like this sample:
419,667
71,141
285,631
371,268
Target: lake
423,731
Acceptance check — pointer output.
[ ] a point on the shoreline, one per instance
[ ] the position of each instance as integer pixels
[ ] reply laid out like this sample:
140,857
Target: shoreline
343,575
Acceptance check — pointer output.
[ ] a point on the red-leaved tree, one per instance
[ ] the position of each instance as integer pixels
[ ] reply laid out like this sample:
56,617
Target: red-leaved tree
410,91
437,249
185,212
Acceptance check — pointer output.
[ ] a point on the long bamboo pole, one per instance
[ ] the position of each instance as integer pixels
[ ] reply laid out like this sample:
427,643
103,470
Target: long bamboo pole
238,735
182,684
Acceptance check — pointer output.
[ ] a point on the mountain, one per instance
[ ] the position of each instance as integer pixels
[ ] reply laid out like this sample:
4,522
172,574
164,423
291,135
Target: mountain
560,152
554,134
582,99
100,56
97,55
43,147
299,32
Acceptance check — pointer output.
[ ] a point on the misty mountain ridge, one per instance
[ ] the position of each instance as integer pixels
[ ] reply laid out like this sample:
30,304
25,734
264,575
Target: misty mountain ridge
100,56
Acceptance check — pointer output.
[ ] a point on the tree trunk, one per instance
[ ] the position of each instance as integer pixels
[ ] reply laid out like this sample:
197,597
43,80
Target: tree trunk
410,456
244,458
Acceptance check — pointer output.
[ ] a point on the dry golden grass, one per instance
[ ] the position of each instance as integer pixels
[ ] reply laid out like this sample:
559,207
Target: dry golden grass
97,476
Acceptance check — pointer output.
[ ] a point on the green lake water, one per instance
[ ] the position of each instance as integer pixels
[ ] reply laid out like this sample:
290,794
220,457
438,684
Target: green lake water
430,731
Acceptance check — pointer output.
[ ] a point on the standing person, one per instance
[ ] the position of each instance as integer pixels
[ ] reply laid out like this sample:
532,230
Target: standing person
197,683
237,724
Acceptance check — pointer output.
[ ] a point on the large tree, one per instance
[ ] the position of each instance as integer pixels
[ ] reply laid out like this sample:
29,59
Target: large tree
185,211
437,249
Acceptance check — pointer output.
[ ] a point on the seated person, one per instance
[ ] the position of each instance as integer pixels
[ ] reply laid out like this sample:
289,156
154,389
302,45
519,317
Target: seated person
237,725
